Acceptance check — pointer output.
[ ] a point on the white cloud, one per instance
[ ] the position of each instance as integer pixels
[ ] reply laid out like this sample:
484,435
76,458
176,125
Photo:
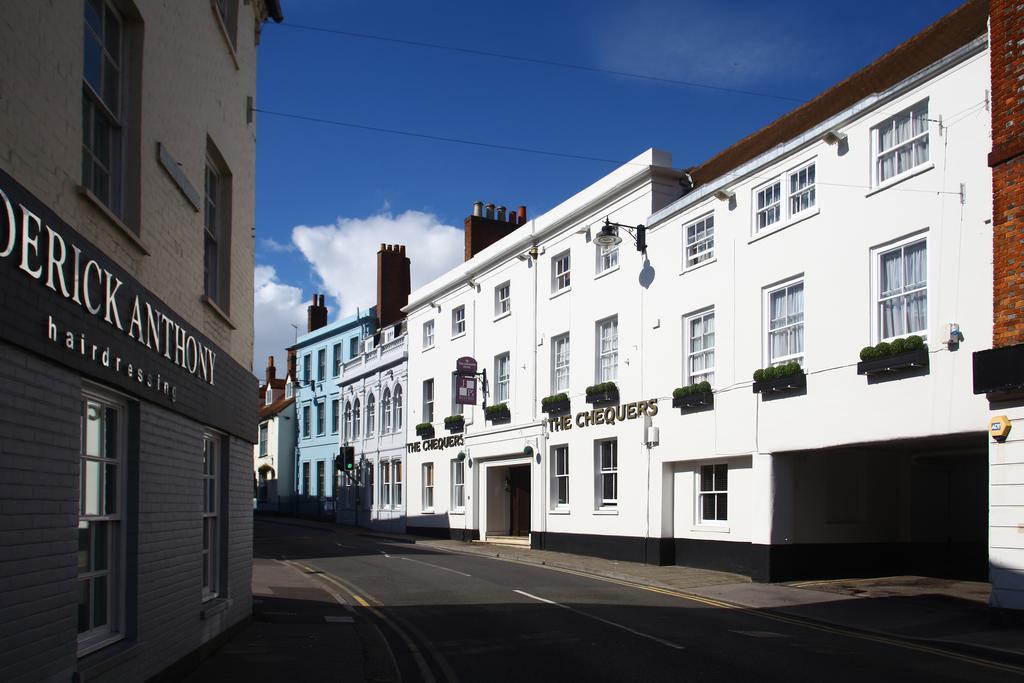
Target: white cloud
277,307
277,247
344,255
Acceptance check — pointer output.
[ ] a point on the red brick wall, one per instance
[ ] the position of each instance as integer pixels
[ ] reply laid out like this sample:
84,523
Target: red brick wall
393,284
1007,162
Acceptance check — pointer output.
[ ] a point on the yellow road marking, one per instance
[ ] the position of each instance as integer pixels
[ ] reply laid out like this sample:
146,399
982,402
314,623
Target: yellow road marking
360,600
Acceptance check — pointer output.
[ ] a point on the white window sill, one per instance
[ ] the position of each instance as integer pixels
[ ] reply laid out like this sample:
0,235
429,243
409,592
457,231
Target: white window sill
606,511
555,295
697,266
502,316
213,605
608,271
897,179
460,511
427,511
560,511
792,220
457,336
219,311
428,348
112,217
714,528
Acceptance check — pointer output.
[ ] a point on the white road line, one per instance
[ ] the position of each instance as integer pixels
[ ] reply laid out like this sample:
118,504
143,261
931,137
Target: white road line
383,553
666,643
437,566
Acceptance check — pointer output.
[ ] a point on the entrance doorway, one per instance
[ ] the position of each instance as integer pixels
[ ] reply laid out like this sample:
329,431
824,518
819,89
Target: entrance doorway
508,501
519,500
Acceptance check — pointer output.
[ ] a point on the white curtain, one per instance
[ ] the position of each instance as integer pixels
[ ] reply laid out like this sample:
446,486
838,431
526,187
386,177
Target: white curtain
916,269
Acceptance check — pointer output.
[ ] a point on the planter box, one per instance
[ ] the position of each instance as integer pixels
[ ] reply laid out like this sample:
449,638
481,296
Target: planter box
498,418
455,428
901,361
781,384
425,433
611,396
697,400
556,408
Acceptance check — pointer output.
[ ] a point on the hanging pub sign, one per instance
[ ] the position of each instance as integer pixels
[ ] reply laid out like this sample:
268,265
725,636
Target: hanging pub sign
465,381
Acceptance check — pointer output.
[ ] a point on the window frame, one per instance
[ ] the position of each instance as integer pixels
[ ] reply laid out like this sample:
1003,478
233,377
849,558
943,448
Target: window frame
428,403
877,254
264,438
335,415
217,237
557,341
561,278
306,482
700,258
428,334
458,487
503,304
371,415
114,521
784,287
427,501
321,478
502,383
560,476
385,411
396,398
347,421
607,259
307,415
458,321
397,474
914,113
714,491
336,359
385,483
321,416
786,194
321,364
604,472
689,376
612,354
212,552
307,367
95,104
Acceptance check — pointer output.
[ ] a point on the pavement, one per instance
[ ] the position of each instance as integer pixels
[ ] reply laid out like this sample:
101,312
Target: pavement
302,627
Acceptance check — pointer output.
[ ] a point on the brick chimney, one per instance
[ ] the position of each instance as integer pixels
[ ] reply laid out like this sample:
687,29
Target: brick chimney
316,313
293,361
271,371
393,283
1007,162
484,227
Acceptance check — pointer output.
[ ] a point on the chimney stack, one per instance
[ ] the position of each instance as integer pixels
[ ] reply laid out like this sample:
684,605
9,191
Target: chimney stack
293,362
271,371
393,283
483,231
316,313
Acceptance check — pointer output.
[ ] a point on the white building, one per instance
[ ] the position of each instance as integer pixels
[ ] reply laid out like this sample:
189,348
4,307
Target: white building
273,457
861,217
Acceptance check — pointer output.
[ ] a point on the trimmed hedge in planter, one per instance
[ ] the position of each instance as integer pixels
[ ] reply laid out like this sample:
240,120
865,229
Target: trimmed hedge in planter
455,423
497,413
425,430
899,354
605,392
776,379
555,404
693,396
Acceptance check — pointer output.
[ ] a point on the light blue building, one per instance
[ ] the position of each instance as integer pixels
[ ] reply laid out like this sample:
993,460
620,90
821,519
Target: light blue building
320,355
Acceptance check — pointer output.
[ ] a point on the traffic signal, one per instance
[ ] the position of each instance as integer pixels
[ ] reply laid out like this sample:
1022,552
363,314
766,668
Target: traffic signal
346,461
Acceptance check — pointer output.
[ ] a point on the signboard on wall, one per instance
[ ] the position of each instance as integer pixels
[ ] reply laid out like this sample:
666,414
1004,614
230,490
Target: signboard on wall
465,381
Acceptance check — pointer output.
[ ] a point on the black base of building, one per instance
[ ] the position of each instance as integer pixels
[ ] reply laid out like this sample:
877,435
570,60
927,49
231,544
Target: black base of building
190,662
657,551
465,535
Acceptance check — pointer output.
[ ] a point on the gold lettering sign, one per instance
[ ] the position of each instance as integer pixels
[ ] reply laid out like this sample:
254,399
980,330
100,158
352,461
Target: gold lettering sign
604,416
435,444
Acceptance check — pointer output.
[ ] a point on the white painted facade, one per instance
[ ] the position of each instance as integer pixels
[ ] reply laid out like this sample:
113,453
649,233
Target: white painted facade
274,455
377,377
848,461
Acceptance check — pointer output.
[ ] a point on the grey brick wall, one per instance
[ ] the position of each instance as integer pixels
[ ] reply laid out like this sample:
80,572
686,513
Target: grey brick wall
39,445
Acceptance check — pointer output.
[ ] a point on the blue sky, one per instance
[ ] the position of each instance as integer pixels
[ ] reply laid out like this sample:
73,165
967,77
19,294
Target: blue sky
327,195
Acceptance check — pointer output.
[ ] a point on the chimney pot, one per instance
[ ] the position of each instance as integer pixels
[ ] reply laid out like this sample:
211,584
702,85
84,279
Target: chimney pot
489,211
522,214
478,208
501,213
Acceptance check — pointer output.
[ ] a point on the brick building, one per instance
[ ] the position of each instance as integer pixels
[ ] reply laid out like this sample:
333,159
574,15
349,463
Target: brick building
127,160
999,371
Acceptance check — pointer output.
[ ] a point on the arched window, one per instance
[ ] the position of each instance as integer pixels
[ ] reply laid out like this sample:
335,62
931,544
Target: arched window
397,407
371,414
355,420
385,412
348,420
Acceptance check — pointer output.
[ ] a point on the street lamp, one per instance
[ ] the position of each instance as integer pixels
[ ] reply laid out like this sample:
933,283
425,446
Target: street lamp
609,235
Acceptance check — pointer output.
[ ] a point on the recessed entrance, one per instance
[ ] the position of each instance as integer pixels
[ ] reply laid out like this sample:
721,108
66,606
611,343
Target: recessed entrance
508,501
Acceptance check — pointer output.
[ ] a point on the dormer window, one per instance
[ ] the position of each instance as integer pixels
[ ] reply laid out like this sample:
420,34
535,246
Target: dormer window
270,395
289,391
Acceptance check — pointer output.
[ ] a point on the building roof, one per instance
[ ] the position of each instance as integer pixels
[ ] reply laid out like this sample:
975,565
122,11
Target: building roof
953,31
267,412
